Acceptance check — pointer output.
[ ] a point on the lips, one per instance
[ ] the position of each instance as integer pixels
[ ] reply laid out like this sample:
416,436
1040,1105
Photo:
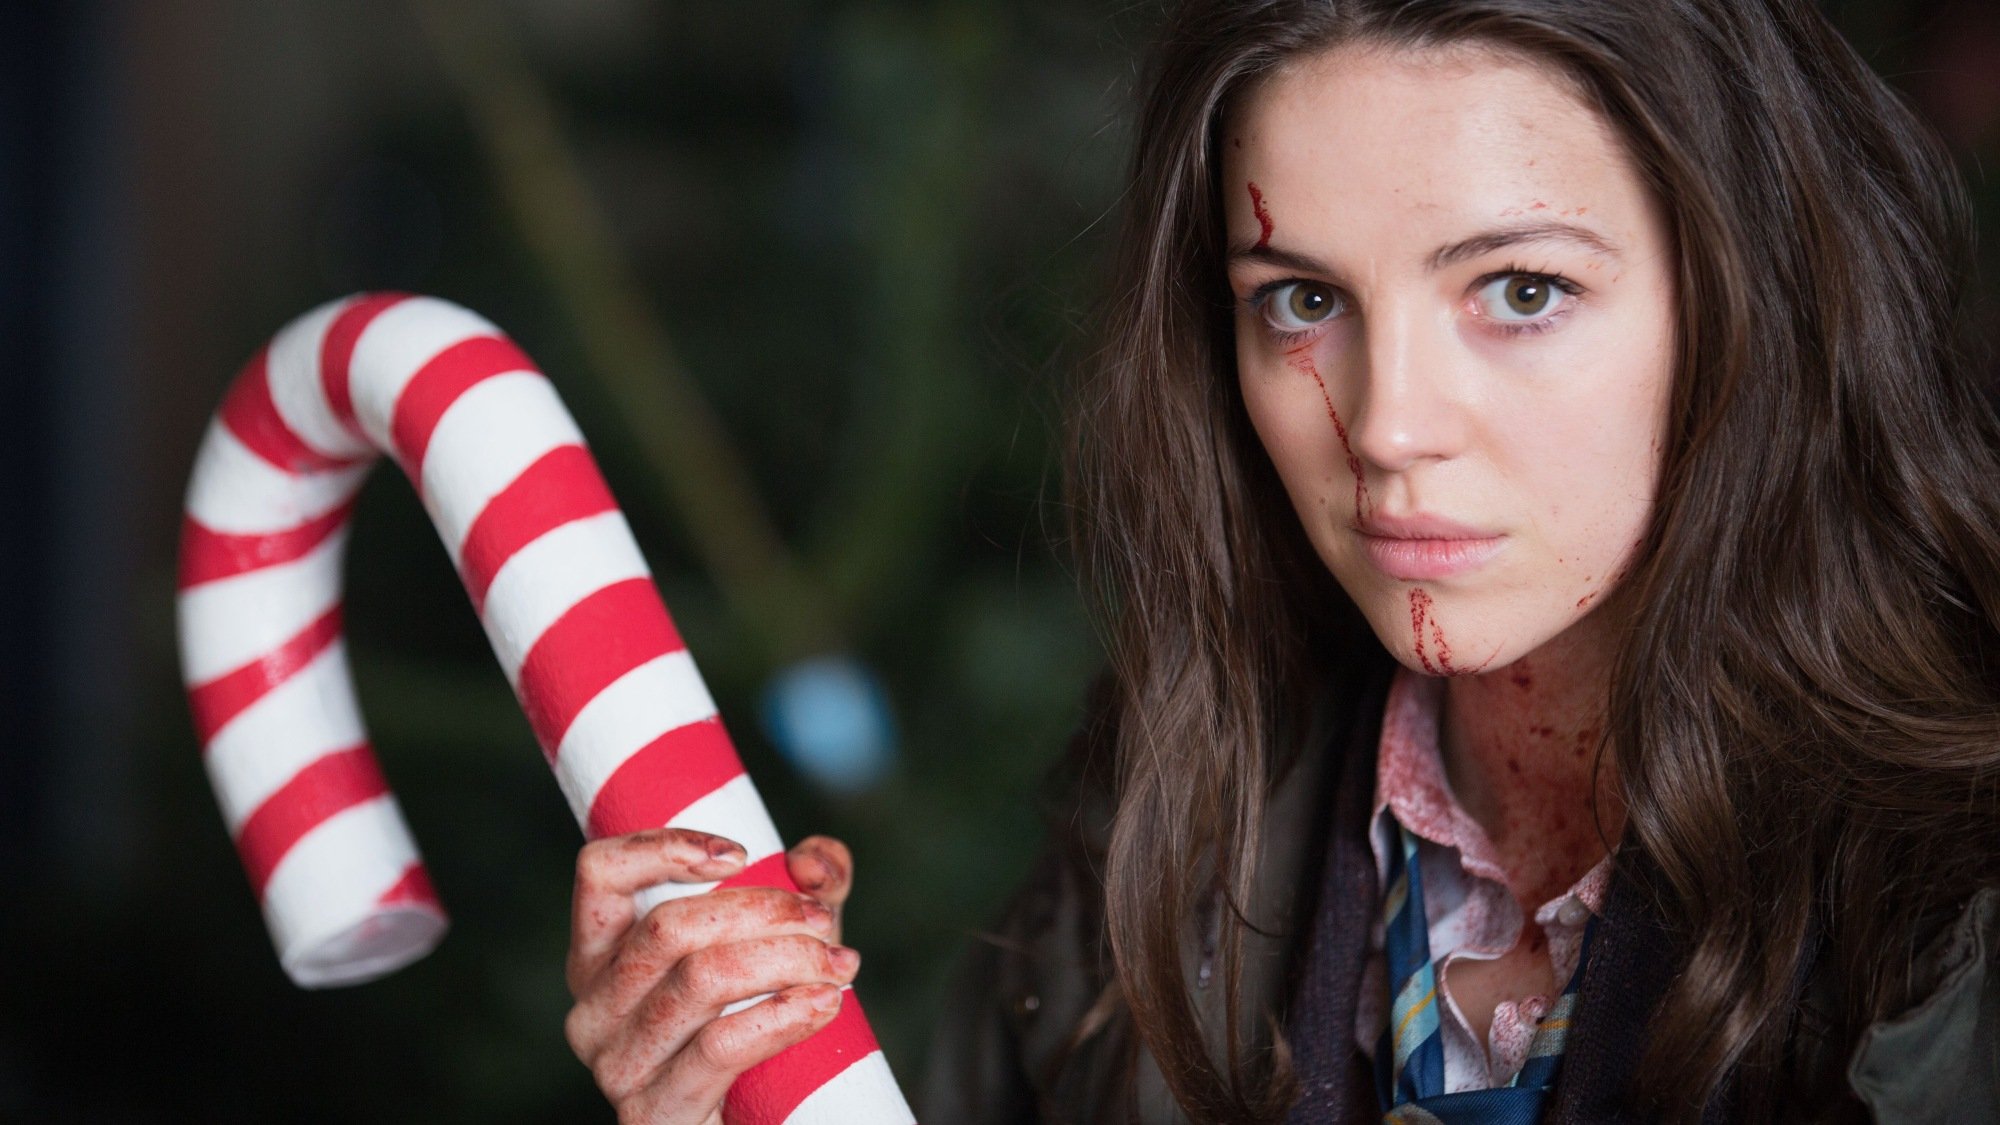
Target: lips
1411,548
1420,526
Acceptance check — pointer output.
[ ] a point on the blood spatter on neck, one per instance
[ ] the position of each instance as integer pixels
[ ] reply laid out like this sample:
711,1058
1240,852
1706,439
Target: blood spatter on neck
1521,675
1520,748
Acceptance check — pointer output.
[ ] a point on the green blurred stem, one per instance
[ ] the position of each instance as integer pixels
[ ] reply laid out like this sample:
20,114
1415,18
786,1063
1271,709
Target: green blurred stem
913,438
704,479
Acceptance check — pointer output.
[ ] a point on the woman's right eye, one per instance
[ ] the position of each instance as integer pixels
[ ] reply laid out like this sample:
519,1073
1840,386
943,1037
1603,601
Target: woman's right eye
1298,306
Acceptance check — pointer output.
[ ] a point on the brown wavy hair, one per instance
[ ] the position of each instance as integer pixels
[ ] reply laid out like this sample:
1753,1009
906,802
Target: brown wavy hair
1805,716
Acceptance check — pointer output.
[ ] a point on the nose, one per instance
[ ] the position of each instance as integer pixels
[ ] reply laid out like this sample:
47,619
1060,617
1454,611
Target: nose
1411,407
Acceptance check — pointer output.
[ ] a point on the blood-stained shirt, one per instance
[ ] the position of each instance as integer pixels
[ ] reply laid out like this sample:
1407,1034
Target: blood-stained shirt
1472,915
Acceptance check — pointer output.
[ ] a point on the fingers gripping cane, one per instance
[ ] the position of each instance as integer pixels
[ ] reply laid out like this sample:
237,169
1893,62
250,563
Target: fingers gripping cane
566,599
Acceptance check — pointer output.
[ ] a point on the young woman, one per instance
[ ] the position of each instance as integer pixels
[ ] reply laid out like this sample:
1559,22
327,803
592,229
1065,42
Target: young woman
1546,534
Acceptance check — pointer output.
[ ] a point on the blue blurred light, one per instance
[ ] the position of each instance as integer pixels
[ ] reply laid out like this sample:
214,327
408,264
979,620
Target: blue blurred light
830,718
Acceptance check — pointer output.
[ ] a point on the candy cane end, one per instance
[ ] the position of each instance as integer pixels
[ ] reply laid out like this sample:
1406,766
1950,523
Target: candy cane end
383,942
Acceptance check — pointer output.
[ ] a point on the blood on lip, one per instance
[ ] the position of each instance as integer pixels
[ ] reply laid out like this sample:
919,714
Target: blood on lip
1424,559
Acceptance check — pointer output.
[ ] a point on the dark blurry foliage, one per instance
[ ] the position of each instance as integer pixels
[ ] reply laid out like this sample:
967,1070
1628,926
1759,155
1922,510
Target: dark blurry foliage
868,233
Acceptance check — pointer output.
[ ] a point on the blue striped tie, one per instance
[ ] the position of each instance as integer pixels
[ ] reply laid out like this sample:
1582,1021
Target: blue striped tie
1409,1061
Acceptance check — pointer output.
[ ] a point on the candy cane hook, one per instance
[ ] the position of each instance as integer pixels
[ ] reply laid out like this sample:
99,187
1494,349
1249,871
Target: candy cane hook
566,599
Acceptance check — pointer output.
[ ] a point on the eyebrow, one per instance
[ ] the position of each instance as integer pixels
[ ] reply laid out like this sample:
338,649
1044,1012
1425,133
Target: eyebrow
1485,242
1546,230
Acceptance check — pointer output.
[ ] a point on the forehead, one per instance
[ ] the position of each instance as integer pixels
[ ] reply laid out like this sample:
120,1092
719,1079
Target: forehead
1459,134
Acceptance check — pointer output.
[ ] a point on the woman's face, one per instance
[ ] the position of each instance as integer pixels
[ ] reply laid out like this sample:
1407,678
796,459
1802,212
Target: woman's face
1455,337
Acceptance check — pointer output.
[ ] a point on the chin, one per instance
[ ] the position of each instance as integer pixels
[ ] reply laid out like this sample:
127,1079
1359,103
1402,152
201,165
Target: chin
1436,633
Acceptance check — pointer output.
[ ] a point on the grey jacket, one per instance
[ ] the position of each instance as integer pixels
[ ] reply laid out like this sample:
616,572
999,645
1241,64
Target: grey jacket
1033,1033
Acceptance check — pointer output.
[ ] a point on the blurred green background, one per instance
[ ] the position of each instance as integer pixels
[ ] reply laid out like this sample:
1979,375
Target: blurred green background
865,235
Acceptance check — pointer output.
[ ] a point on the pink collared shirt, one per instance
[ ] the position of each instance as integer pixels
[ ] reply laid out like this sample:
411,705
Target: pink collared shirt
1472,915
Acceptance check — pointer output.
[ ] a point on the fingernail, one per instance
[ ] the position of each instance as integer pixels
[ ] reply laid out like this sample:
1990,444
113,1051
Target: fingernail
845,960
825,999
817,873
723,851
817,915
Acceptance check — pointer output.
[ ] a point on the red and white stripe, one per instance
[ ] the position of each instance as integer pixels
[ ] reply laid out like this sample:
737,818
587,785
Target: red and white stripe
563,593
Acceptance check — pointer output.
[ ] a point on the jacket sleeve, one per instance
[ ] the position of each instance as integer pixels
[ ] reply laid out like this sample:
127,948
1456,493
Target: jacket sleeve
977,1073
1027,1034
1940,1061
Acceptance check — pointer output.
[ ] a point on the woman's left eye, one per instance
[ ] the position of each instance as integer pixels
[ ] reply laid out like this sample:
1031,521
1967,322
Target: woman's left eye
1525,298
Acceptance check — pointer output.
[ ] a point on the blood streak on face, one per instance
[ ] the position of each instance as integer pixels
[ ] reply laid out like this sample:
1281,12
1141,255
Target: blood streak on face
1301,360
1419,605
1443,646
1422,620
1420,608
1265,228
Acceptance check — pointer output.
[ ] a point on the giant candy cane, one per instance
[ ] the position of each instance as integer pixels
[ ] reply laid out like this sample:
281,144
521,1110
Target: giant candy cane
565,598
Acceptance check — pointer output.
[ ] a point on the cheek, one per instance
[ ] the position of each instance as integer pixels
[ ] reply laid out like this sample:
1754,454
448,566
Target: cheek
1290,435
1590,465
1595,471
